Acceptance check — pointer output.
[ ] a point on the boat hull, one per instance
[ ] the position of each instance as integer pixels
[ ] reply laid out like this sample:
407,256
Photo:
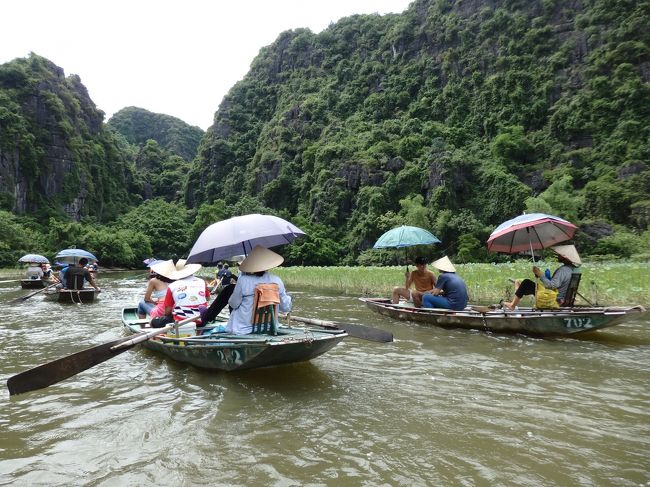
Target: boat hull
32,283
239,352
562,322
68,296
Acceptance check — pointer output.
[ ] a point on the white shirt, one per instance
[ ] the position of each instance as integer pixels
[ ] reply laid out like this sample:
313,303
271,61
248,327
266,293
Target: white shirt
34,272
242,299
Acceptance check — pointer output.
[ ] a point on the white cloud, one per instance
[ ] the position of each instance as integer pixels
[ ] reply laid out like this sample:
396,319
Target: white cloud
173,57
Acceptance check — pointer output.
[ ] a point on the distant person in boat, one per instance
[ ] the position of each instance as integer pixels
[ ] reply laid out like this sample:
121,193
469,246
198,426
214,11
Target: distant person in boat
253,271
93,267
47,271
423,279
34,271
215,283
225,275
185,297
450,291
153,303
76,275
568,256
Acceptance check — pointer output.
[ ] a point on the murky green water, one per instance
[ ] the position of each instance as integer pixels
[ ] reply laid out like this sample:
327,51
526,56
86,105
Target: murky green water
437,407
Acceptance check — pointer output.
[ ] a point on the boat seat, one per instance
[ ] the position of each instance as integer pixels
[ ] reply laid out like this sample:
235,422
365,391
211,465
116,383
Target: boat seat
265,309
572,290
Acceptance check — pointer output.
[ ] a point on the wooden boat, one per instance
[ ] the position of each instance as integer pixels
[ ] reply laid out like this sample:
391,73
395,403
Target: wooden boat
238,352
558,322
33,283
68,296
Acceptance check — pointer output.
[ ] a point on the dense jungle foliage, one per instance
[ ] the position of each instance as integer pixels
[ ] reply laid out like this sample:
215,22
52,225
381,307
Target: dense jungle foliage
138,126
453,116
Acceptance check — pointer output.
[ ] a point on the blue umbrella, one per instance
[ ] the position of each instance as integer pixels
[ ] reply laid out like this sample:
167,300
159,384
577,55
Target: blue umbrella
405,236
72,256
34,258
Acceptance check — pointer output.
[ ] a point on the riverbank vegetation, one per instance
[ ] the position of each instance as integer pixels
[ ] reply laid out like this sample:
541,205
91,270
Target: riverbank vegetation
451,116
603,283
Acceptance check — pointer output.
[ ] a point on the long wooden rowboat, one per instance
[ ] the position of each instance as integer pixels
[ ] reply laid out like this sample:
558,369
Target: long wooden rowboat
69,296
238,352
560,322
32,283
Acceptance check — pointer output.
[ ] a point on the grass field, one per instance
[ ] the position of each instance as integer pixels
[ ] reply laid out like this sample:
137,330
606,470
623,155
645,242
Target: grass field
611,283
602,282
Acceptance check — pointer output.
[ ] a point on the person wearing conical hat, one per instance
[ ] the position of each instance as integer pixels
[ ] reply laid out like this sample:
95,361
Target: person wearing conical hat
568,256
187,295
450,291
254,270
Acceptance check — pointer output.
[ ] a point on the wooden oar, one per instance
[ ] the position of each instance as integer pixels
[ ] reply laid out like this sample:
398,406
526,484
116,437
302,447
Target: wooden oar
24,298
352,329
52,372
10,280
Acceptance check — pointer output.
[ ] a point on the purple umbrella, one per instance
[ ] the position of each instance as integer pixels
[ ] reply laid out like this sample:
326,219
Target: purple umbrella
238,235
528,232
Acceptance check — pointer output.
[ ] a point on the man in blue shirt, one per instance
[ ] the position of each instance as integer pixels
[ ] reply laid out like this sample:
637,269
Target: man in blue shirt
224,275
450,291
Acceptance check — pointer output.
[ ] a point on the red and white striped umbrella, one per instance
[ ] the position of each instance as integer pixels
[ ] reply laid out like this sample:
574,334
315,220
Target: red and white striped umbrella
528,232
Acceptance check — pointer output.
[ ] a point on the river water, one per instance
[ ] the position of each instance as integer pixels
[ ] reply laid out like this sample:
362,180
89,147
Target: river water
436,407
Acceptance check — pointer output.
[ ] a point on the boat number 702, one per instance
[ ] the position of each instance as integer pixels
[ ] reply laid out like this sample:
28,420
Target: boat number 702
577,322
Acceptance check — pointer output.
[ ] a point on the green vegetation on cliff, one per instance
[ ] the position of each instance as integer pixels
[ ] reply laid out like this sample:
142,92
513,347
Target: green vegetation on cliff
453,116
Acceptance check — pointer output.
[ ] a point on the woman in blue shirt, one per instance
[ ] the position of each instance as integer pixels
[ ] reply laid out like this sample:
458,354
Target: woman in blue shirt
254,271
450,291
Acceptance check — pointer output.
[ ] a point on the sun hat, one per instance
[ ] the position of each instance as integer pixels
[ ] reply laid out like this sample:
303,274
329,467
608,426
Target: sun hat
260,259
569,252
165,268
444,264
184,270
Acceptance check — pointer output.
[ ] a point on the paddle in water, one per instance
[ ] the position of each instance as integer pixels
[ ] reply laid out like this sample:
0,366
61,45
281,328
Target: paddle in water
24,298
52,372
354,330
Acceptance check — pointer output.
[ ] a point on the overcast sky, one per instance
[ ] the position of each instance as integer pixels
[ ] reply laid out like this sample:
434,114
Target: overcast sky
174,57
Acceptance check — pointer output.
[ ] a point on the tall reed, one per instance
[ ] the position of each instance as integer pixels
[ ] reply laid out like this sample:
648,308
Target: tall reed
610,283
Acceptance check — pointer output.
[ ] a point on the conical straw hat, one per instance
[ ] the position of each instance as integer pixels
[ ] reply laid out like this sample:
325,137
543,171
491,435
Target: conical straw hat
569,252
260,259
444,264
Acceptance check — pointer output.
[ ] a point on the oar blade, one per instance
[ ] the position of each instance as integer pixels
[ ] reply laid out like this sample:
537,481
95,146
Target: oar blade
52,372
365,332
354,330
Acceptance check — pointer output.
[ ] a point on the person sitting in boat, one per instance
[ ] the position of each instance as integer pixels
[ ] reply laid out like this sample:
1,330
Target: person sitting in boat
186,296
76,276
153,303
253,271
568,256
423,279
47,271
450,291
225,276
34,271
215,284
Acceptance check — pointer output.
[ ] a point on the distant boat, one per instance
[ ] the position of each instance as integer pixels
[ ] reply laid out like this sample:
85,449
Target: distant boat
33,283
544,323
68,296
228,352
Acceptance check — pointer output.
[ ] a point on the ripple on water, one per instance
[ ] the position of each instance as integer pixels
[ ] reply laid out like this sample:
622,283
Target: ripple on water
435,407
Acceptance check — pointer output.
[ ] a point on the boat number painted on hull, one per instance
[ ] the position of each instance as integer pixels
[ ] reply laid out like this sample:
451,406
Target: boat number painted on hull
578,323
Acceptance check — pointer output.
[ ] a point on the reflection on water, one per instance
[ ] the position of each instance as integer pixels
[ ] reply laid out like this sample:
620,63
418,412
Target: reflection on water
435,407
